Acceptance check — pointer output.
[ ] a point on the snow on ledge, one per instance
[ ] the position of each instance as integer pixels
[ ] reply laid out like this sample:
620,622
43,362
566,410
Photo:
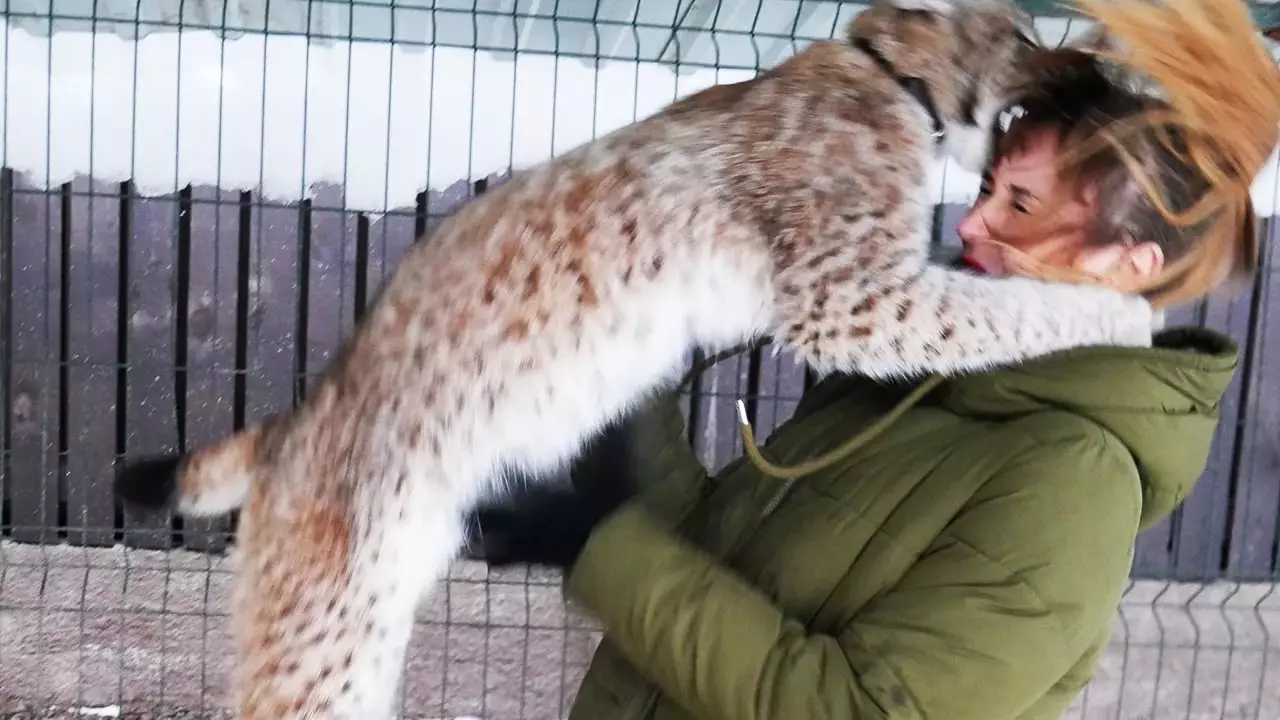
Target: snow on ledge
275,114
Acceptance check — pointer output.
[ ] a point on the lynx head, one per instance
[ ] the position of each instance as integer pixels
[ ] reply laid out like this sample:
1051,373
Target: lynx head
971,55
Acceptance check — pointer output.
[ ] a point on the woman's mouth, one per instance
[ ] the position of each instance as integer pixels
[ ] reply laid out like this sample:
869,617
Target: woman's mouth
971,263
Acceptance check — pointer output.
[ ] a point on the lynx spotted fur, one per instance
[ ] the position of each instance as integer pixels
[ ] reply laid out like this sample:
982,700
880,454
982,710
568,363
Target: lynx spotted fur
793,204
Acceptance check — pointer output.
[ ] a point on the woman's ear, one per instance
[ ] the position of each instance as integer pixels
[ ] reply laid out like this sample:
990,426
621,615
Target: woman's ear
1144,261
1126,267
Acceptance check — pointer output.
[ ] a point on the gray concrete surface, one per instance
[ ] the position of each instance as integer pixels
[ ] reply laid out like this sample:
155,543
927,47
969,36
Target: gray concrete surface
139,634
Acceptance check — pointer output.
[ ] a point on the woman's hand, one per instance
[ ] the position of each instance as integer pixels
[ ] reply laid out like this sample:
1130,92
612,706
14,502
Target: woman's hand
545,525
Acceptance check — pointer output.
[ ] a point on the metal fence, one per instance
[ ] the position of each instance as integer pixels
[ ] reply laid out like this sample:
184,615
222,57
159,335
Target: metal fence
136,321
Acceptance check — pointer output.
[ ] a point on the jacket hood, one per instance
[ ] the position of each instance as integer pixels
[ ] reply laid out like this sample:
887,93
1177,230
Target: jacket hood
1161,402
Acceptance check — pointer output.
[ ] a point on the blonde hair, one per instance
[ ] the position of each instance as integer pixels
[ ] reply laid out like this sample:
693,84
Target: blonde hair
1189,155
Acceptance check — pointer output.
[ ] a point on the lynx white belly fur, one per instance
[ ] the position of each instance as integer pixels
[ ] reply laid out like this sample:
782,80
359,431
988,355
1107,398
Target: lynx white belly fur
793,204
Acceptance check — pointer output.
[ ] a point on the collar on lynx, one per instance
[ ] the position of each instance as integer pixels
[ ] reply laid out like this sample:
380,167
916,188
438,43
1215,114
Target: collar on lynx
914,86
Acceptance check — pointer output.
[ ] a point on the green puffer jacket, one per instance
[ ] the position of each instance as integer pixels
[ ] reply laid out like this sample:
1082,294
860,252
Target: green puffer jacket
967,563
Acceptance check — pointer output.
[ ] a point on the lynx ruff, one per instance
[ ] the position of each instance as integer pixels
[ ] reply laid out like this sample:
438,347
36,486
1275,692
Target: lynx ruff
793,204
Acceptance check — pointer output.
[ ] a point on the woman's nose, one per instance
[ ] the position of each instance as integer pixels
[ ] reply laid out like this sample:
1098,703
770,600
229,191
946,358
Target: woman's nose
973,226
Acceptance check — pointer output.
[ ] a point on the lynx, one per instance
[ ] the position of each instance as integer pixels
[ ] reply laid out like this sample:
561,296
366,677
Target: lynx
792,205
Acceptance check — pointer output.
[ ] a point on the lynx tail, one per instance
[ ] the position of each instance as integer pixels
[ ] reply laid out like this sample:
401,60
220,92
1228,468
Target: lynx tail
210,481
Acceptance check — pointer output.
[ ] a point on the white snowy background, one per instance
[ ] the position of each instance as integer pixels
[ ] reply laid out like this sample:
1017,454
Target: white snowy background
385,119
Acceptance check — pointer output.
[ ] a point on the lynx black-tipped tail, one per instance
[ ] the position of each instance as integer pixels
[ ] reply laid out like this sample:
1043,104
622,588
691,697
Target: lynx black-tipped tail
149,484
209,481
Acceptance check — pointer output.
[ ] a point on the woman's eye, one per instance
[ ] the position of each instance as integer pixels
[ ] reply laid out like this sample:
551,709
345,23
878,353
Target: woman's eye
1020,208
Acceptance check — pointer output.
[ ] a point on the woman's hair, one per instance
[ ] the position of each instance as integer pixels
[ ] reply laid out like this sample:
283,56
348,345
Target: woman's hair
1175,168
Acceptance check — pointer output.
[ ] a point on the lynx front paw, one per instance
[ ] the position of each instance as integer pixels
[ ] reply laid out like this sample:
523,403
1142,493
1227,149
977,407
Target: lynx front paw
1134,322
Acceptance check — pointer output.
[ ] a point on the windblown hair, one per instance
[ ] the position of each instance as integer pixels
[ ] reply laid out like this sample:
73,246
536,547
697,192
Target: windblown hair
1172,167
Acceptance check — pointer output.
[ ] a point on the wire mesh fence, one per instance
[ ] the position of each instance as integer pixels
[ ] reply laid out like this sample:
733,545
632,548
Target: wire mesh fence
142,634
199,200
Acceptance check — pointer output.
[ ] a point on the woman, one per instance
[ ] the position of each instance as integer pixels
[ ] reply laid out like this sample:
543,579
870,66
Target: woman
968,559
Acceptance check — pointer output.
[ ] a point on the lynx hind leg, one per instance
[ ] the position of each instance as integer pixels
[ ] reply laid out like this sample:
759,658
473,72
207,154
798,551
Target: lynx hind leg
945,321
324,610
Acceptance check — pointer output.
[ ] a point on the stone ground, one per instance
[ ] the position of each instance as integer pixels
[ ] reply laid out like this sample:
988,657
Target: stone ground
140,634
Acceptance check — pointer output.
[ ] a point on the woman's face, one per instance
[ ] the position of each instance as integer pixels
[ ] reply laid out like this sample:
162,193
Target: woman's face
1025,205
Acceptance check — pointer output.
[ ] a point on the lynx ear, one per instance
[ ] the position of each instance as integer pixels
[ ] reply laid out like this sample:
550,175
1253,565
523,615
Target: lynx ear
937,7
1026,25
